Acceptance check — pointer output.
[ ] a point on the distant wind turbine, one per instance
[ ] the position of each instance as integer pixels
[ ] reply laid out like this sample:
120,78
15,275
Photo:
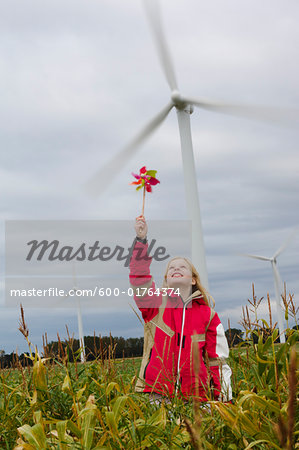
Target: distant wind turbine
79,315
277,280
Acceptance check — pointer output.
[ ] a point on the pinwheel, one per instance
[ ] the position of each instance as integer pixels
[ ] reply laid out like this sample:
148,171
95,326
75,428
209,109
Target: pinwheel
146,179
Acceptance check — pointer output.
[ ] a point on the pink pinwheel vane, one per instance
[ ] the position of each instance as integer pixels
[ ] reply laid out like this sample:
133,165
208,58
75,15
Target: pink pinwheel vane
146,179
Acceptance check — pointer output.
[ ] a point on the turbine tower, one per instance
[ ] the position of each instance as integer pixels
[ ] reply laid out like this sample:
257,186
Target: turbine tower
277,281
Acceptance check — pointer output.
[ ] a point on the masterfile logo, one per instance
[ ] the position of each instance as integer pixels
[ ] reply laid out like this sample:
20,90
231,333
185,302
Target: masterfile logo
55,251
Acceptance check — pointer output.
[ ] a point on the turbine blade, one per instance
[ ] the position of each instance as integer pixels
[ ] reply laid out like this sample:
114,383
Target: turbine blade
262,258
103,177
283,116
286,242
154,17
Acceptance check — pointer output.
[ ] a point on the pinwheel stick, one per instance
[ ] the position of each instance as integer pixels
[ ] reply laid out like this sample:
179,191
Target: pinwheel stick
143,201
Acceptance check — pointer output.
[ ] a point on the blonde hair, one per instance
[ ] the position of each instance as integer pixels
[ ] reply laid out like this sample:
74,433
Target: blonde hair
208,299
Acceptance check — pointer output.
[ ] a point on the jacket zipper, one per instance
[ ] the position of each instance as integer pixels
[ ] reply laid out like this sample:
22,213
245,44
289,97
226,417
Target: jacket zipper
181,344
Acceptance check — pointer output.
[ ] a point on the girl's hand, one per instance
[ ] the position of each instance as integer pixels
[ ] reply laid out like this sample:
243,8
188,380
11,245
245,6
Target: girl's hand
141,227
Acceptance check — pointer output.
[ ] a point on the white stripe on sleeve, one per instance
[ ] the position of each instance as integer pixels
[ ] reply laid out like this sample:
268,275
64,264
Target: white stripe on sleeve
222,351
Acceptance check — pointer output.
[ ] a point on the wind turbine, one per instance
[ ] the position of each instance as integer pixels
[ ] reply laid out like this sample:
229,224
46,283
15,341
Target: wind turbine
277,280
79,315
184,107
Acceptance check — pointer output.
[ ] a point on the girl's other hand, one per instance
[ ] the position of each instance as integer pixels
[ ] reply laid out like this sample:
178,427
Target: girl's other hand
141,227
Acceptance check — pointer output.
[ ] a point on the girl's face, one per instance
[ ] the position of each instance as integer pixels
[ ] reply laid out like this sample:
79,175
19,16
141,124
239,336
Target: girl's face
179,273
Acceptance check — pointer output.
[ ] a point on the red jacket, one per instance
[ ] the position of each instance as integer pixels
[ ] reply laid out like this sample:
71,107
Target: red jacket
185,348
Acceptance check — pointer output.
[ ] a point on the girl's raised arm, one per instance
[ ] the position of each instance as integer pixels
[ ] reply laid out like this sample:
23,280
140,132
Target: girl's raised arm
140,277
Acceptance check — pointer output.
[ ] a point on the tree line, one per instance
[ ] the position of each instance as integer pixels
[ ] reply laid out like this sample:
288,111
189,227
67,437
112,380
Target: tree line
103,347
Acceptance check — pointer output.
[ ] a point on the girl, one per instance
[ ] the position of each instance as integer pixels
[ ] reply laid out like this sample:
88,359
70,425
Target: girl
185,348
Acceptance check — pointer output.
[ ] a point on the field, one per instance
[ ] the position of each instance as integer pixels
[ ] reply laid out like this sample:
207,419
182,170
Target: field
60,405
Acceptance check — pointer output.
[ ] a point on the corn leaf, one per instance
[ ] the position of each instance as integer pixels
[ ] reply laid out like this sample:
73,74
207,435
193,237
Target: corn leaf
80,392
110,418
88,420
260,441
118,407
136,407
264,361
39,376
74,429
63,438
260,402
67,385
35,435
159,417
111,386
23,446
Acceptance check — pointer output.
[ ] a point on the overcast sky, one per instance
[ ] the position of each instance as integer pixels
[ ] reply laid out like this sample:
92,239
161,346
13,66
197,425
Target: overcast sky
78,81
